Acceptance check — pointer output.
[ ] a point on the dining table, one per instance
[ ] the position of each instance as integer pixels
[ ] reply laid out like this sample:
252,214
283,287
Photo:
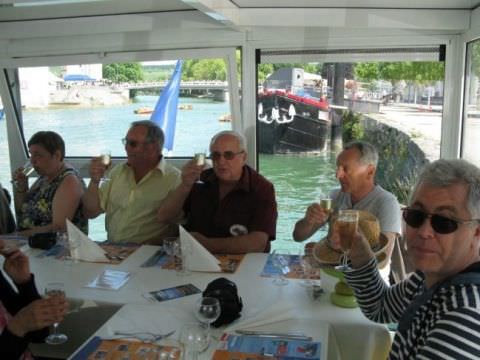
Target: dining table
344,333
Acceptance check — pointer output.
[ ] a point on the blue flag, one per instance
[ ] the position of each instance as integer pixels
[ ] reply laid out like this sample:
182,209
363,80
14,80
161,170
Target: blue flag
165,112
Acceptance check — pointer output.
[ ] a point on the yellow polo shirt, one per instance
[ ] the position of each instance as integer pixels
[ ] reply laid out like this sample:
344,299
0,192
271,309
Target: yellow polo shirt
131,208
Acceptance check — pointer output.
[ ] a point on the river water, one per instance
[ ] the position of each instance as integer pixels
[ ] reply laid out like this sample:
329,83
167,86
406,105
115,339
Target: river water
299,180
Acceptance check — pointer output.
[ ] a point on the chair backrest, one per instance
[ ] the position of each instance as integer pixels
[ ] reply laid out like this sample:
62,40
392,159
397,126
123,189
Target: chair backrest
400,266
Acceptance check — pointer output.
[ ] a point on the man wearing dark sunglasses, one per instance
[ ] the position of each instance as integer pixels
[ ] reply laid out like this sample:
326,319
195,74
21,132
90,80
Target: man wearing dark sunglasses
438,306
233,209
135,189
356,168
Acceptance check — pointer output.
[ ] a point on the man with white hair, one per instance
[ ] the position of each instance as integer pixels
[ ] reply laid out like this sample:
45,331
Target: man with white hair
233,209
356,167
438,306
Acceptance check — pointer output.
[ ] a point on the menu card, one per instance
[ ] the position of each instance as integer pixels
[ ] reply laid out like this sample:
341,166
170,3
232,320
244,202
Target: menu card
257,347
97,348
110,280
294,269
172,293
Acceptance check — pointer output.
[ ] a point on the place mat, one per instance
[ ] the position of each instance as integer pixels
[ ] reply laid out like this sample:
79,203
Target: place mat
115,253
295,270
97,348
228,262
257,347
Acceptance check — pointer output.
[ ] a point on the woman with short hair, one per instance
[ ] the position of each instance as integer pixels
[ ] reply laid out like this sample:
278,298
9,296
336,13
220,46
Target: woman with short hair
55,195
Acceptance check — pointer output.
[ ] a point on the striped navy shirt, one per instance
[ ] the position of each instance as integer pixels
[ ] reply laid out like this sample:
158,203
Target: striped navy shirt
447,326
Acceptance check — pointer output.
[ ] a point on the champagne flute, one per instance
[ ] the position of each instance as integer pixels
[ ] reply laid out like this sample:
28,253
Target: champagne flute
52,290
199,161
280,261
106,159
346,224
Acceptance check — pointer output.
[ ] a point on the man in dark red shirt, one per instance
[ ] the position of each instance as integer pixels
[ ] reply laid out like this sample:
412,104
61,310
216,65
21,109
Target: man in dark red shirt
233,208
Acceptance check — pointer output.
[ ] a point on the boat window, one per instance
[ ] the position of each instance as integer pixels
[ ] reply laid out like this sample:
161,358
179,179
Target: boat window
96,103
306,109
471,112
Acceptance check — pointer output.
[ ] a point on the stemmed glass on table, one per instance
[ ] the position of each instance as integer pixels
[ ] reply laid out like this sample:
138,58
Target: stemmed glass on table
207,310
194,339
281,262
53,290
346,226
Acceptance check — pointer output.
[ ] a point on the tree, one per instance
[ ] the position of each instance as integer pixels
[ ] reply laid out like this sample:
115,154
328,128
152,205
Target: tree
123,72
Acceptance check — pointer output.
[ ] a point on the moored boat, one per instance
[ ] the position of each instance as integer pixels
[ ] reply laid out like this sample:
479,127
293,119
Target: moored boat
143,111
291,121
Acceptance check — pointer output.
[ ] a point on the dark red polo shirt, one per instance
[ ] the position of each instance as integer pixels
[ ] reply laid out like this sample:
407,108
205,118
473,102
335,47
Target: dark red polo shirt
250,206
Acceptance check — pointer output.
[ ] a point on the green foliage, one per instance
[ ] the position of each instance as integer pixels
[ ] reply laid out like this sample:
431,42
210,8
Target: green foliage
352,128
205,69
416,71
123,72
475,58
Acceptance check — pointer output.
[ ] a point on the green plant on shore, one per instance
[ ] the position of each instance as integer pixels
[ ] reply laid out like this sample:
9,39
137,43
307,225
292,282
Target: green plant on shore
352,128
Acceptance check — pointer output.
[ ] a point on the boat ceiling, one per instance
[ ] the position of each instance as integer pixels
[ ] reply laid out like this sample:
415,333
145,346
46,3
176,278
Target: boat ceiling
226,11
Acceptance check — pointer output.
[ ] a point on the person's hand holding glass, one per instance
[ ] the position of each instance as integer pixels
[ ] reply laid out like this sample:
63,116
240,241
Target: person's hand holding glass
106,160
56,292
346,229
20,176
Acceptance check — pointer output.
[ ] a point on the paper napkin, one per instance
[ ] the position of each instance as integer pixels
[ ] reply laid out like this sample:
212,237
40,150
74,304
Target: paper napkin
197,258
82,247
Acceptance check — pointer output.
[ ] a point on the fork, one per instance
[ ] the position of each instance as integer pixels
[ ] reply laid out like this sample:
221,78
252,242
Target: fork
151,336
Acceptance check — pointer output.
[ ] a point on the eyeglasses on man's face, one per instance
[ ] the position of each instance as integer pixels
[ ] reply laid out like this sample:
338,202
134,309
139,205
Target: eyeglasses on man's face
227,155
440,224
133,143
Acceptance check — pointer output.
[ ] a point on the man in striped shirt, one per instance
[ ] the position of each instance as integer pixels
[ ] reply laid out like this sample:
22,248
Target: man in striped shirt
438,306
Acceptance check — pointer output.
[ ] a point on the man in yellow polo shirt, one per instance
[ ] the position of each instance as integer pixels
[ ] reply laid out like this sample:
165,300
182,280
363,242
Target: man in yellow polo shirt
135,190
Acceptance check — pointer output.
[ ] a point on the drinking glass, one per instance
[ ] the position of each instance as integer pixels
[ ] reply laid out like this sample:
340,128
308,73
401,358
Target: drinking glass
200,161
280,261
28,169
346,225
169,244
207,309
326,203
55,289
106,159
305,255
70,246
194,338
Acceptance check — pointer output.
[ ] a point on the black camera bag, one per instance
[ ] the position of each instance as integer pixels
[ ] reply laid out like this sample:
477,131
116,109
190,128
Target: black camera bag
230,303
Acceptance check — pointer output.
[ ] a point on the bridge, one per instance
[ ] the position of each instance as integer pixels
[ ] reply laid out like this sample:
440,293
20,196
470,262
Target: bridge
184,85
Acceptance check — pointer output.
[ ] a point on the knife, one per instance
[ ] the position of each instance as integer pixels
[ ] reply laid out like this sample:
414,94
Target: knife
275,335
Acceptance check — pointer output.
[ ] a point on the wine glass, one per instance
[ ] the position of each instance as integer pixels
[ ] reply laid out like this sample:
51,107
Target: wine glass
51,290
200,161
280,261
207,310
326,203
106,159
346,226
194,338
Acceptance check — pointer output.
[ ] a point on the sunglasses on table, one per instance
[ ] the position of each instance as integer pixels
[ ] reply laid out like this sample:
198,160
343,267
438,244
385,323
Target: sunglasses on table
440,224
227,155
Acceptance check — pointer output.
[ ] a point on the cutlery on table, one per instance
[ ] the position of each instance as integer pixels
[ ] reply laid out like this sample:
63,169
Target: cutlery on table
140,335
277,335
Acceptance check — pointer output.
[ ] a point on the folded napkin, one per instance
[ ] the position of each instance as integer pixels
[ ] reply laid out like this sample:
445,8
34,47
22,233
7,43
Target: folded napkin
280,311
197,258
82,247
